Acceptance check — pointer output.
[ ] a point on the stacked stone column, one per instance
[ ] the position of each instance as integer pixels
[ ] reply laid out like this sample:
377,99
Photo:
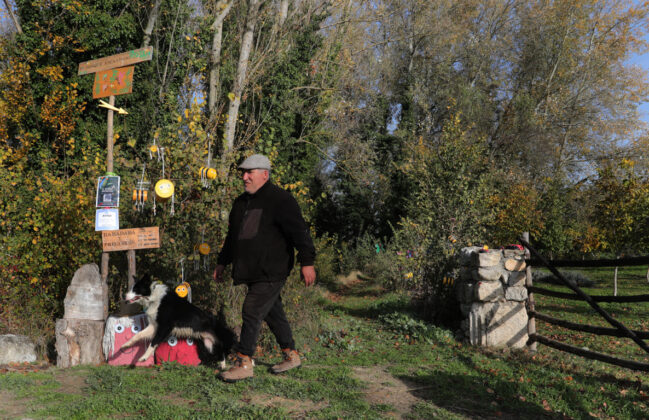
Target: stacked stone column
492,294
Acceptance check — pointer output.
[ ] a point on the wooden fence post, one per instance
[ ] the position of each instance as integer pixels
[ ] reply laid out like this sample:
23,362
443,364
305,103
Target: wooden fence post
531,322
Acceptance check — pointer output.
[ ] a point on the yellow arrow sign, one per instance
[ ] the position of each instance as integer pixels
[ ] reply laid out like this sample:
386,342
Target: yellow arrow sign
112,108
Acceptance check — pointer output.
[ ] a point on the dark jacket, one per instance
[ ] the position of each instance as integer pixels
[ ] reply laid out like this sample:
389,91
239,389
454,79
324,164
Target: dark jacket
265,228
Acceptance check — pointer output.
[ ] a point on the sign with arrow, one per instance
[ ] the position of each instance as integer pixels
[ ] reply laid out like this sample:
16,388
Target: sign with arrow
113,82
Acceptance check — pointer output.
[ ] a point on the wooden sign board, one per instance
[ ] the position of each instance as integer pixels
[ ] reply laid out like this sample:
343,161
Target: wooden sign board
113,82
115,61
125,239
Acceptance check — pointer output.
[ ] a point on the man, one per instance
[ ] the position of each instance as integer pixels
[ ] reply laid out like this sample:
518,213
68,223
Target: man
266,225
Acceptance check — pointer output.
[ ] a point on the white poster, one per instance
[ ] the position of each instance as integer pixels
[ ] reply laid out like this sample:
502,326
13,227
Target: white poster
106,219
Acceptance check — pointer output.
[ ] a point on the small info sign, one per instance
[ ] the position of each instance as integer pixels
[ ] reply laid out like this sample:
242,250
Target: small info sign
113,82
125,239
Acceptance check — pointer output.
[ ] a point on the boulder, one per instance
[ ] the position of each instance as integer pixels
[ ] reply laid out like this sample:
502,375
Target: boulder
498,324
518,294
487,259
16,349
87,295
488,291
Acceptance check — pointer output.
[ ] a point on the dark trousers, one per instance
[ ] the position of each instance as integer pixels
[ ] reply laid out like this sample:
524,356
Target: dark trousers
264,303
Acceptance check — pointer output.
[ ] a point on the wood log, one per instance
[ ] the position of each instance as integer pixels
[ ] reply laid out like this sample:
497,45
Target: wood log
613,332
615,323
78,342
572,296
589,354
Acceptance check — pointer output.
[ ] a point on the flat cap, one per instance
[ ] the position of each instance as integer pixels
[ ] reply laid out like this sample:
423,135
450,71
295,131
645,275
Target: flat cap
256,162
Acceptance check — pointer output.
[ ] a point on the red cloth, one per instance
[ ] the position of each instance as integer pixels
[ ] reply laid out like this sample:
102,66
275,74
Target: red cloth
181,350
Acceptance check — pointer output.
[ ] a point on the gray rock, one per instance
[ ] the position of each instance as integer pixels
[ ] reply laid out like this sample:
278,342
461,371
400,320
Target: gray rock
498,324
487,259
87,295
516,279
16,349
488,274
509,253
518,294
466,254
488,291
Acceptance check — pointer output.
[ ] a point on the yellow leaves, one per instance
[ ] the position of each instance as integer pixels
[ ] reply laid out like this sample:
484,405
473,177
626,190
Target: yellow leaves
33,280
231,96
53,73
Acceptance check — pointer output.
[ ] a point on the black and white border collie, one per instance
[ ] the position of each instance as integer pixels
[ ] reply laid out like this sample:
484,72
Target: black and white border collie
169,314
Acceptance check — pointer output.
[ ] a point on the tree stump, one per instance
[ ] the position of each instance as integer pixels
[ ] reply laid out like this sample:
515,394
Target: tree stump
80,333
78,342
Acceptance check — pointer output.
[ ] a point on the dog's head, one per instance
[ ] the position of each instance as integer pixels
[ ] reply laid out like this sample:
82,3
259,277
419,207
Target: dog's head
141,290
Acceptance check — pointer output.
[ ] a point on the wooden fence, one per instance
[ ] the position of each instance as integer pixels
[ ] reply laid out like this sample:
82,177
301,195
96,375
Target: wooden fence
618,330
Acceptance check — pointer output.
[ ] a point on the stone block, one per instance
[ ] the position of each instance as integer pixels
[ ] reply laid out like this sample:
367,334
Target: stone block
518,294
512,264
498,324
465,309
16,349
487,259
516,279
87,295
464,292
488,291
466,253
466,274
79,342
489,274
513,253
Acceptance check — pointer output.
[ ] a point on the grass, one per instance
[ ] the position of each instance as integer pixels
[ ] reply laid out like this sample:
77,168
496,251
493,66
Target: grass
371,357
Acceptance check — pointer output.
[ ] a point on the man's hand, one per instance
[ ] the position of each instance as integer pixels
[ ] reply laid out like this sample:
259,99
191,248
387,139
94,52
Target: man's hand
308,275
218,273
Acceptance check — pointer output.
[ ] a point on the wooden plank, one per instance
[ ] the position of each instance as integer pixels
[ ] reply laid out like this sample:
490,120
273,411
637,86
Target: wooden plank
113,82
617,262
115,61
572,296
585,328
589,354
615,323
125,239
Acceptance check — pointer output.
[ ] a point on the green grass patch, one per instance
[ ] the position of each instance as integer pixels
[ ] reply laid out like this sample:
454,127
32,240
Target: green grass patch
371,356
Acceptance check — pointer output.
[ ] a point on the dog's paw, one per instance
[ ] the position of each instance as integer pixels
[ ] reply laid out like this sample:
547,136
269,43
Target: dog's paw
143,359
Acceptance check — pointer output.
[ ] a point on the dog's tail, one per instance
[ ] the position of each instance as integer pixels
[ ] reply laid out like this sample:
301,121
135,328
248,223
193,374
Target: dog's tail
225,339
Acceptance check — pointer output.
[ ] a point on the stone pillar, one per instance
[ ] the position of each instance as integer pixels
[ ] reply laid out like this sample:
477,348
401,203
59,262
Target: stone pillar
79,334
492,294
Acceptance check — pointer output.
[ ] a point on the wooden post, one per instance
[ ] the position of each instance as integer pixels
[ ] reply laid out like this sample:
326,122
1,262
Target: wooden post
130,256
531,322
109,168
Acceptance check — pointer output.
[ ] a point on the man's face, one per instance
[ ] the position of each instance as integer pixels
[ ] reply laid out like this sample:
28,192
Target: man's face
253,179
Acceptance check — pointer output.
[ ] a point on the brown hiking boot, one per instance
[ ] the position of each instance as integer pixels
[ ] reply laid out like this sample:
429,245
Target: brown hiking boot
242,369
291,360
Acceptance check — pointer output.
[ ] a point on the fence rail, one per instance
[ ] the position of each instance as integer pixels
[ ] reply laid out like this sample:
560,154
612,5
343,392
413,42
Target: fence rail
619,329
589,354
572,296
585,328
617,262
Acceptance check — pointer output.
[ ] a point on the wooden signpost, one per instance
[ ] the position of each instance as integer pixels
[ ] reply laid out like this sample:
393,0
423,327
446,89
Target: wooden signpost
114,76
127,239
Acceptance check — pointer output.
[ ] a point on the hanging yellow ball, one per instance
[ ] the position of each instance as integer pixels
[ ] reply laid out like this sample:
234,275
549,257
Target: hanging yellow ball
164,189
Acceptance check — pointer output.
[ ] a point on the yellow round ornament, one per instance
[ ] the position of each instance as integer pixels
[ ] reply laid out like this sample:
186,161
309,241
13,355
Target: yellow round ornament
204,249
164,189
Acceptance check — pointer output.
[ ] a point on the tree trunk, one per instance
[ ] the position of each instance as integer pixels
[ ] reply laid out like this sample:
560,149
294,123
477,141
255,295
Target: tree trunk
153,17
240,79
648,274
615,283
79,342
223,8
19,29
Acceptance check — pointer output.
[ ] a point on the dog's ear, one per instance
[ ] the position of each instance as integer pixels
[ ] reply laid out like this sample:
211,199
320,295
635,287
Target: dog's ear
146,278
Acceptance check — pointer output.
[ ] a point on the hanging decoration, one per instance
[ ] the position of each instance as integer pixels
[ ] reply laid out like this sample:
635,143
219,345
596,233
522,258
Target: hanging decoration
204,250
154,150
140,193
205,172
164,188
